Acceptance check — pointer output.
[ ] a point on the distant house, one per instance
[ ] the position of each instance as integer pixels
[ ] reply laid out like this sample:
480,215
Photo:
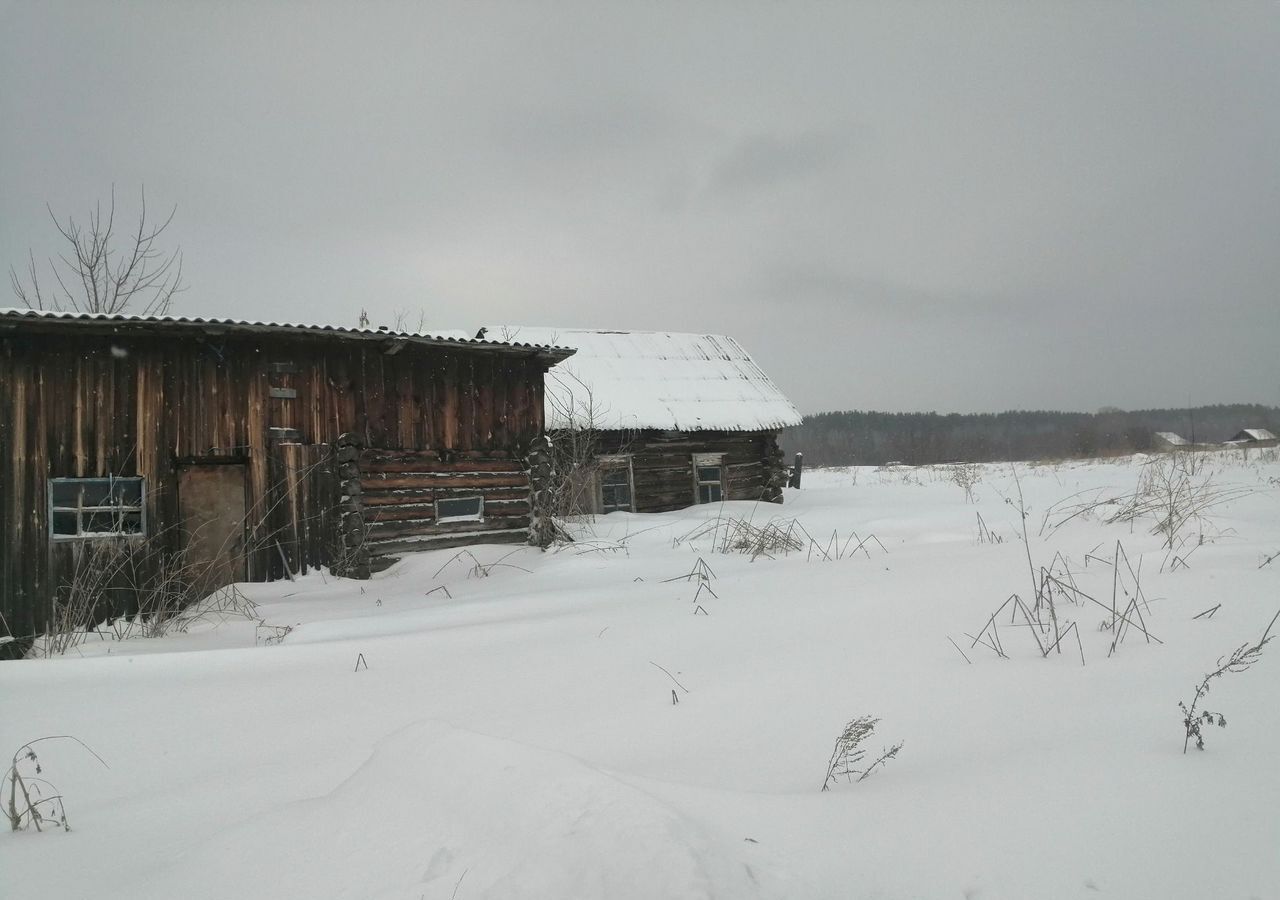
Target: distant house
251,450
676,419
1168,440
1254,437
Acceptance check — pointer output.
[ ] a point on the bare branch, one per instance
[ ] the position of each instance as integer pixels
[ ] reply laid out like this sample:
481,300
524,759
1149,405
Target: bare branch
144,277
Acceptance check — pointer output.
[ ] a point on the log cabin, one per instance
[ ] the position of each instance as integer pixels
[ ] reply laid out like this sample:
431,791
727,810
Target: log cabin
671,420
251,451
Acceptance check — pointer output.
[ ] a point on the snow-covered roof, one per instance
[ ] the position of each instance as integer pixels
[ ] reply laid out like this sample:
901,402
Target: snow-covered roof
1172,439
448,337
653,379
1253,434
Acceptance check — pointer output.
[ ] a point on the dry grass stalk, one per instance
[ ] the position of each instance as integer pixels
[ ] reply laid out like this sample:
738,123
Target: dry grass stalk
41,803
1240,660
848,753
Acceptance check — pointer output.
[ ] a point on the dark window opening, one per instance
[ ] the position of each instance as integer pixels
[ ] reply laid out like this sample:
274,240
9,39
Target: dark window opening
96,507
615,489
460,509
709,480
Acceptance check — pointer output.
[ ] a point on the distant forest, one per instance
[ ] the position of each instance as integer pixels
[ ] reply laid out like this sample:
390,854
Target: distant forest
874,438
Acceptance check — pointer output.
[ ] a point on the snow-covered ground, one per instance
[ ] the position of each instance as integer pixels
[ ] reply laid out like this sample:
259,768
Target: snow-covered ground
515,735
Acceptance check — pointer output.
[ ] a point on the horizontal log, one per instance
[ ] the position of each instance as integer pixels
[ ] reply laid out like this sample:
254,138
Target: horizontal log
395,466
407,511
506,507
394,548
379,531
410,495
399,513
375,455
427,480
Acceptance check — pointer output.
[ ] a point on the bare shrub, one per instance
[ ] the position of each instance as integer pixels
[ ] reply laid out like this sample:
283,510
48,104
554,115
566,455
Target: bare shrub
730,534
966,476
1176,490
569,460
126,588
777,537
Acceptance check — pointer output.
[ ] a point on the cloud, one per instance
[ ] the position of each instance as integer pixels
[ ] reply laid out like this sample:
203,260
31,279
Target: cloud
765,161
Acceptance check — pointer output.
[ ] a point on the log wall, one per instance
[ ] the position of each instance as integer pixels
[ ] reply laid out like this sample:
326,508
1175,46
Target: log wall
394,493
662,465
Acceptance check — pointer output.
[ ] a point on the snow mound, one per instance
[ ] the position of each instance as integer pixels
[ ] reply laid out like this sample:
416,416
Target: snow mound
434,805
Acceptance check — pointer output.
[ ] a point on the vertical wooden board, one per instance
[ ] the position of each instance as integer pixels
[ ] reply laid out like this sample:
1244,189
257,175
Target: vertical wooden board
433,371
351,413
389,427
78,393
467,401
36,486
524,410
117,400
498,403
237,403
537,377
222,405
158,406
449,406
13,463
401,366
259,474
367,398
379,402
515,427
317,386
484,369
419,434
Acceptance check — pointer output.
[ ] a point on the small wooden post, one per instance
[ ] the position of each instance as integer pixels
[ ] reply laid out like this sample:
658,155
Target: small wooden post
797,469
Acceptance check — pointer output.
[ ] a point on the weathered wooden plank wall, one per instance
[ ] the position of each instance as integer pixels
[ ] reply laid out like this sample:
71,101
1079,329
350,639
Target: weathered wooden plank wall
136,402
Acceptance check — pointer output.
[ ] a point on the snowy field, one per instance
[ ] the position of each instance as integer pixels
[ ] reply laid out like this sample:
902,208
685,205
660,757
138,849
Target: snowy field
514,734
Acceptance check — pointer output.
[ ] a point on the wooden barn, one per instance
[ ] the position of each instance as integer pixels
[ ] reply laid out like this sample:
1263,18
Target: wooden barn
1253,437
672,419
248,450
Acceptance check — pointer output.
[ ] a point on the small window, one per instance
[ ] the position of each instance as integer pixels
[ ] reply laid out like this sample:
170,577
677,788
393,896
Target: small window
95,507
708,474
460,509
615,489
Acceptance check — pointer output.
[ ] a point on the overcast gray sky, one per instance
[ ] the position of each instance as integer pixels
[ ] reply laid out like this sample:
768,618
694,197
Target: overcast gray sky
965,206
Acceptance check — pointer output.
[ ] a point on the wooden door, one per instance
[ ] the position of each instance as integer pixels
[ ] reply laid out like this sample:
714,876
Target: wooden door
211,504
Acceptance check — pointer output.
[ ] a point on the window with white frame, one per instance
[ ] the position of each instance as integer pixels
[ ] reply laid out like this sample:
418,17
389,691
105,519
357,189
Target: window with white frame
615,484
459,509
96,507
708,476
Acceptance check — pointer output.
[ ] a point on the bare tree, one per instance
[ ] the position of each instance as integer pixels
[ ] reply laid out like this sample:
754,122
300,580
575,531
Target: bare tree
103,270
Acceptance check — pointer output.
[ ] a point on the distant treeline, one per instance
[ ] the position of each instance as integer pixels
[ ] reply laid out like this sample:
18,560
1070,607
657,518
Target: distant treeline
874,438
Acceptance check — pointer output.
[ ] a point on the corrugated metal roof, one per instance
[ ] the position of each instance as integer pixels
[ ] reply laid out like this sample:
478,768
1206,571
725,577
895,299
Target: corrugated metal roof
1257,434
1172,439
654,379
446,337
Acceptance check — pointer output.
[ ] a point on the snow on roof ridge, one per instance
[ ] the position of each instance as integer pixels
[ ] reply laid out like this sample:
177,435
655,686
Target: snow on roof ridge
667,380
